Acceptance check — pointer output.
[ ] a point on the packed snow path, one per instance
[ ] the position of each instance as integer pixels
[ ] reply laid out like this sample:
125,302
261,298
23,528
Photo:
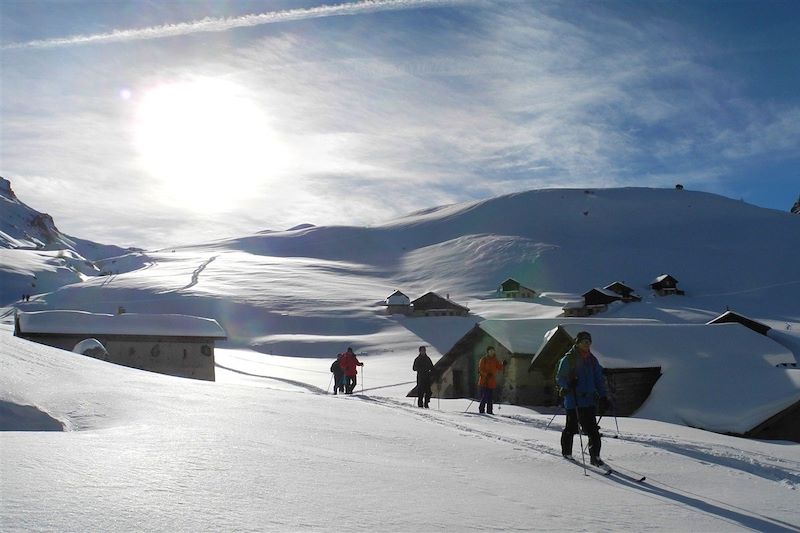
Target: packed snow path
148,452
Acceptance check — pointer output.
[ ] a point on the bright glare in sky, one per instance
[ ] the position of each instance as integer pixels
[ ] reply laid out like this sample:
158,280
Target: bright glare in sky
207,142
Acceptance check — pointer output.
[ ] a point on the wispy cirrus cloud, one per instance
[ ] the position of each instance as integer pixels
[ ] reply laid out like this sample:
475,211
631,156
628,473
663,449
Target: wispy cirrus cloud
210,24
382,115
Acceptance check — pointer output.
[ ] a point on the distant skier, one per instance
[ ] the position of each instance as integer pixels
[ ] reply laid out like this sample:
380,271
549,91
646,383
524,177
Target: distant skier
338,375
581,383
423,366
488,367
349,362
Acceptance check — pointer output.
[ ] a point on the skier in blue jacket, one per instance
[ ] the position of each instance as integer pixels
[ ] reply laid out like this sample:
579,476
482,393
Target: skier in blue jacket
580,380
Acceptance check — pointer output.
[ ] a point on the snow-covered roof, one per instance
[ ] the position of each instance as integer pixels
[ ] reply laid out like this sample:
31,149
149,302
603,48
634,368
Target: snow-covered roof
525,336
397,298
663,277
83,323
430,299
605,292
720,377
619,285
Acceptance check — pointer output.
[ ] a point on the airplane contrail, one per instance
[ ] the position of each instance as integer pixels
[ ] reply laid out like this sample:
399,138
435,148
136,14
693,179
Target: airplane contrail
224,24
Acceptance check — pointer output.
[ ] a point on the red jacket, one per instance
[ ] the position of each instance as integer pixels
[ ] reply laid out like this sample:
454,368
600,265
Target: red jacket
349,362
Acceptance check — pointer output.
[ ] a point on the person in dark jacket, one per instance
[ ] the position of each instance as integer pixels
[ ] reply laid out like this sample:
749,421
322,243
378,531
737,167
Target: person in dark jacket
580,380
423,366
349,362
338,375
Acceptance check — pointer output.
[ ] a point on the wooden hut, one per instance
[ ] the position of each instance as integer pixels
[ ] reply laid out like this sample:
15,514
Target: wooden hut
732,317
600,297
630,387
575,309
431,304
516,341
784,425
665,285
623,290
594,301
398,303
650,369
512,288
178,345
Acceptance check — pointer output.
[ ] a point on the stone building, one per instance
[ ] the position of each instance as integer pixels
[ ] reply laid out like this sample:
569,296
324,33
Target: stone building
178,345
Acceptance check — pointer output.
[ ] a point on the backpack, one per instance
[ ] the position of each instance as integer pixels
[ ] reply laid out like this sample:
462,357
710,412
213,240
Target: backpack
563,391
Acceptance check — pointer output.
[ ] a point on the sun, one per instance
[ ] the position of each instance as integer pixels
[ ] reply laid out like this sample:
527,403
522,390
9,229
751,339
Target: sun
207,142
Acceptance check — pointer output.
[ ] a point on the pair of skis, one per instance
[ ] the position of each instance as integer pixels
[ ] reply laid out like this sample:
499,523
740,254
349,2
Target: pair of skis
607,470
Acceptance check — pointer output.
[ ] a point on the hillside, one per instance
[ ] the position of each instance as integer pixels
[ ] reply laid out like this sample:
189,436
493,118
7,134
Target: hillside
35,256
308,291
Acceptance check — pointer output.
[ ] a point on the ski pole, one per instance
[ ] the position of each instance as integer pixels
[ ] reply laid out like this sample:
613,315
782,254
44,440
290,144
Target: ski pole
329,384
551,421
580,434
362,379
470,405
614,405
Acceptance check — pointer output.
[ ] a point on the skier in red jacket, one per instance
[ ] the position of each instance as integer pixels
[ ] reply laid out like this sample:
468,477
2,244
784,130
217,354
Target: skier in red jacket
349,362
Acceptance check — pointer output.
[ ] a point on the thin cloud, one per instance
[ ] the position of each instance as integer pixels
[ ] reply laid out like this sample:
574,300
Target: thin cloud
225,24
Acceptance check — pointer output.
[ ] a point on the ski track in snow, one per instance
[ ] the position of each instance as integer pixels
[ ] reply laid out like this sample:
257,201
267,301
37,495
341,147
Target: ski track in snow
197,272
770,468
767,467
295,383
784,471
663,492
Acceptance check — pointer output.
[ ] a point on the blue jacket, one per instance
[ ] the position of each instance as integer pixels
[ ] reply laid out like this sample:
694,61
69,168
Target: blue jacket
591,384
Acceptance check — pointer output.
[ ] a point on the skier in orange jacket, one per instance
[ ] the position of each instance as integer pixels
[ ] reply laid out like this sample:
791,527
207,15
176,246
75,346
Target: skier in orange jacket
488,367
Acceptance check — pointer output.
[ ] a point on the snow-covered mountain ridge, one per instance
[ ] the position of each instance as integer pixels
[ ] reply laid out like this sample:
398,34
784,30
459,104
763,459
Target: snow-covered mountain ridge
35,256
22,227
632,234
308,290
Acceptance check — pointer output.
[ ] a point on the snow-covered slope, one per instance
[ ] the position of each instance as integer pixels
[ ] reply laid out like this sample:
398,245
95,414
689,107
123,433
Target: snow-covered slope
264,449
36,257
632,234
23,227
328,282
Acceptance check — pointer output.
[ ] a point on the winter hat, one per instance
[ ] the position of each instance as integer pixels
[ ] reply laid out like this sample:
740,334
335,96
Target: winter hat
582,335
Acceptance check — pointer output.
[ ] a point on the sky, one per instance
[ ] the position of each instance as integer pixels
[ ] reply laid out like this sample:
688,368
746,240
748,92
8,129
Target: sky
154,124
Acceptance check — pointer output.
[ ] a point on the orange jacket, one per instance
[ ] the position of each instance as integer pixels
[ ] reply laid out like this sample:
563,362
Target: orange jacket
488,367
